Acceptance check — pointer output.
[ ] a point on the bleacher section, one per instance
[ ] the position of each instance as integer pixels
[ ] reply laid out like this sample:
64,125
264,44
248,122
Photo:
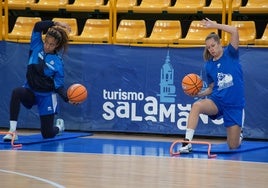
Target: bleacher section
264,39
165,32
88,5
20,4
164,22
196,34
186,6
152,6
216,6
130,31
94,31
255,7
125,5
49,5
22,29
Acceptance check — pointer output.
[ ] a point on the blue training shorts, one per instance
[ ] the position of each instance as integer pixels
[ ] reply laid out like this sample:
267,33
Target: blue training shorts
47,104
231,115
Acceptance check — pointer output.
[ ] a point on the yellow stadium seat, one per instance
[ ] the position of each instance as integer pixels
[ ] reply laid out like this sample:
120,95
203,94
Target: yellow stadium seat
131,31
216,6
125,5
22,29
49,5
187,6
255,7
196,34
94,31
247,31
165,32
72,23
19,4
152,6
264,39
88,5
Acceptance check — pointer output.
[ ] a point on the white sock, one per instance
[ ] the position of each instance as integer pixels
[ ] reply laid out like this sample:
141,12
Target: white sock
189,134
13,126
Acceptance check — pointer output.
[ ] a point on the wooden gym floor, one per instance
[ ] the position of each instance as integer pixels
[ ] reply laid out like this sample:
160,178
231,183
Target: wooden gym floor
82,163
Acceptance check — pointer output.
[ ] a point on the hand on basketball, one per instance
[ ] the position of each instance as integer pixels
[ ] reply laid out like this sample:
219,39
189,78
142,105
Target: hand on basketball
205,92
74,103
194,95
200,94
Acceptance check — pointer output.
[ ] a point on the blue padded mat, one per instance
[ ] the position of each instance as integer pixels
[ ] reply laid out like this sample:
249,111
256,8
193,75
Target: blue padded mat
37,138
201,148
223,147
198,148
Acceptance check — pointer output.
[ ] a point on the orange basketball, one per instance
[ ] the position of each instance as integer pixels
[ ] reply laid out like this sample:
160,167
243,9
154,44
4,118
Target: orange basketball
77,93
191,84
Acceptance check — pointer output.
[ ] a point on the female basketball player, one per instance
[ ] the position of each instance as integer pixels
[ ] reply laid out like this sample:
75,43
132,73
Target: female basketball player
225,87
45,78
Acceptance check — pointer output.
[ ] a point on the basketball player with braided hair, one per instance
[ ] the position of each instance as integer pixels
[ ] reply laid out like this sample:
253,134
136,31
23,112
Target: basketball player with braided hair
225,92
45,78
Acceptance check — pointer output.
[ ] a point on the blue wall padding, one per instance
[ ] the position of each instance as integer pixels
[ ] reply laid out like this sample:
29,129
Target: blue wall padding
126,89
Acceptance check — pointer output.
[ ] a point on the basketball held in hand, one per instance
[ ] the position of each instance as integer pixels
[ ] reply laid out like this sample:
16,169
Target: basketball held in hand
192,84
77,93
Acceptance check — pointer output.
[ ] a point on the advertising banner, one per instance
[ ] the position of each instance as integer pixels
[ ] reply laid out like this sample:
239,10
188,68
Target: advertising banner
138,89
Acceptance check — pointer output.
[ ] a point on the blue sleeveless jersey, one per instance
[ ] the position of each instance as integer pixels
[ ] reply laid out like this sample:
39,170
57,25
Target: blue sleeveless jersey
227,75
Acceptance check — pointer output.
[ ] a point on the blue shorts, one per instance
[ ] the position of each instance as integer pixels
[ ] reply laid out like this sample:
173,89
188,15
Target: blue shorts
231,115
47,104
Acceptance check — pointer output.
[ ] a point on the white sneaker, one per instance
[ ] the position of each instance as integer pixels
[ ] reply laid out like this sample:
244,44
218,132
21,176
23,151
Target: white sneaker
241,137
186,148
60,125
8,137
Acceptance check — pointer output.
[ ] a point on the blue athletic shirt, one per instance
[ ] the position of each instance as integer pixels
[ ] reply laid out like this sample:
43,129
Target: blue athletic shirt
227,75
45,73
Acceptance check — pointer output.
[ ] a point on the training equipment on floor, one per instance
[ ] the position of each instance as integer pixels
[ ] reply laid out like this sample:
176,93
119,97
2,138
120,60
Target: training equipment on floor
77,93
191,84
13,139
174,153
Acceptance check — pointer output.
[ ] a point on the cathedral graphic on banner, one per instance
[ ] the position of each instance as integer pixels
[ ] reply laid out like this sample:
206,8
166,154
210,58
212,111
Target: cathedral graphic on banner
167,88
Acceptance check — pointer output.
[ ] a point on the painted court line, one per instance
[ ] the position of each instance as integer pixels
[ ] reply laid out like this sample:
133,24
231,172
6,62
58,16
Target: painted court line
33,177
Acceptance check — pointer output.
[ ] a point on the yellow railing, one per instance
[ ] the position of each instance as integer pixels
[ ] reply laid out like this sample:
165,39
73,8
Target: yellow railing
224,21
229,21
4,20
1,21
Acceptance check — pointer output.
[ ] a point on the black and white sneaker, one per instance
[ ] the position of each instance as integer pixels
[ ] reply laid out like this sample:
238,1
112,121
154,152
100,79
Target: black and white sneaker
241,137
186,148
60,125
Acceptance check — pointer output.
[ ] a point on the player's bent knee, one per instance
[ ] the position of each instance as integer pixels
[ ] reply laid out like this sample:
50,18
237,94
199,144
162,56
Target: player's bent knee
233,145
196,105
199,107
48,135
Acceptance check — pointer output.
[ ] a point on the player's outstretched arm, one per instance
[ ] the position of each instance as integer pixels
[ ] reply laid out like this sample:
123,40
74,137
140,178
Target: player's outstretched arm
66,26
207,23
